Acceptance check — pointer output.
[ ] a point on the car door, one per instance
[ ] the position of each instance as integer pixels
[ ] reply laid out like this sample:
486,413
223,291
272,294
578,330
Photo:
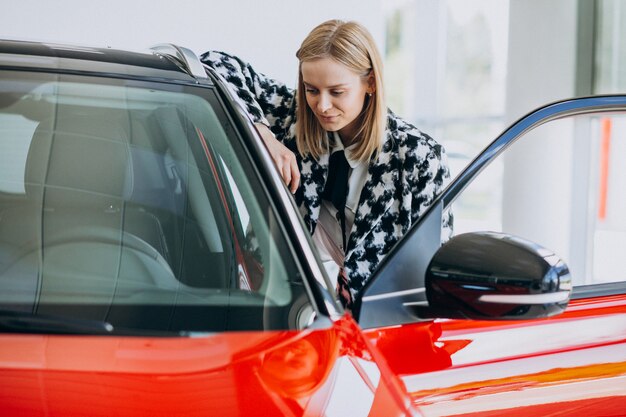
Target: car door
554,177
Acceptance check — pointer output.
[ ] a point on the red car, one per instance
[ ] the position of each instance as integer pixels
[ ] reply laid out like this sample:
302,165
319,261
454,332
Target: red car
153,263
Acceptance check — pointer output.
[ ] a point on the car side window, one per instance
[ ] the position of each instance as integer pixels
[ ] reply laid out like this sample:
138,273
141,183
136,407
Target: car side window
559,185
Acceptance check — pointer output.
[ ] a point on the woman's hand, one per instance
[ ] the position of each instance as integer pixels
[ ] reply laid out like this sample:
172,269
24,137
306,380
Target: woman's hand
284,159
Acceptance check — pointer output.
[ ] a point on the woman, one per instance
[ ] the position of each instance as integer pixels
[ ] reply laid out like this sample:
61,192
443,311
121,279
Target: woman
394,171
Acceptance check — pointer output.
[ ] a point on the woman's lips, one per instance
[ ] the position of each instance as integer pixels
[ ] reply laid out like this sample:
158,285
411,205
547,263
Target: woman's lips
328,119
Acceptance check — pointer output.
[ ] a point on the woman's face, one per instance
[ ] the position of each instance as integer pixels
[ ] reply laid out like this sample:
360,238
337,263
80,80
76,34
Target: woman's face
335,94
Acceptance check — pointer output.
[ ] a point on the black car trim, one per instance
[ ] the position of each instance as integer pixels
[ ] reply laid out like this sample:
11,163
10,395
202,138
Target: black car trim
115,75
146,60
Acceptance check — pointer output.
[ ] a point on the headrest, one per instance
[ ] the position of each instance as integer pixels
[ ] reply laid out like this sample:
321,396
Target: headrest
74,160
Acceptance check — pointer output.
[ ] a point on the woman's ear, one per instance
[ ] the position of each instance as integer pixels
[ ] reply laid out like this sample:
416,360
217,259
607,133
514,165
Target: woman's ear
371,82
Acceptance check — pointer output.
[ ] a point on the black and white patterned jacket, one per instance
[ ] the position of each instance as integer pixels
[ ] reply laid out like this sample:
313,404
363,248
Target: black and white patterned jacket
402,181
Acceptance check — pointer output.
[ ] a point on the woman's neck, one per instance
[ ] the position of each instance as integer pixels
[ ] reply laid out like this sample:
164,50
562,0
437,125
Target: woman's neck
348,134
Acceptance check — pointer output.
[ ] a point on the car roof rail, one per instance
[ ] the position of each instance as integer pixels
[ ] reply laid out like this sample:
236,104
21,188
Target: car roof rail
188,60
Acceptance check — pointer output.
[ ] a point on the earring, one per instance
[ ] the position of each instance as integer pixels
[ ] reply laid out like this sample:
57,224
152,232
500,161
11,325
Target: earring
369,94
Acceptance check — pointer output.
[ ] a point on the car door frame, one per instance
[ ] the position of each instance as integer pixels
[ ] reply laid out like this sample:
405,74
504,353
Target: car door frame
396,289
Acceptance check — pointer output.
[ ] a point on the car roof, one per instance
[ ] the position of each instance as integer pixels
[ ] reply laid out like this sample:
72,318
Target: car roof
165,64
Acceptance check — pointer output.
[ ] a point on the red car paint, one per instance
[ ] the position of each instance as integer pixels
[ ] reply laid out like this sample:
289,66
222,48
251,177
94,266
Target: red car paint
227,374
448,367
571,364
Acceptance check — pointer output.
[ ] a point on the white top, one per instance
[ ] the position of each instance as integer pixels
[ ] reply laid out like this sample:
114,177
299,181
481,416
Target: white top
327,236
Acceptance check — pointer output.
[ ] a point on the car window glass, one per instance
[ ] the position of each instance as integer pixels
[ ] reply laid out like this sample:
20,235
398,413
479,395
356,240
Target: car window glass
136,205
17,132
559,185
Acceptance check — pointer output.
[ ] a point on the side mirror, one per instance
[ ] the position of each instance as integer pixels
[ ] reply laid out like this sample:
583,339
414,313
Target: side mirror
487,275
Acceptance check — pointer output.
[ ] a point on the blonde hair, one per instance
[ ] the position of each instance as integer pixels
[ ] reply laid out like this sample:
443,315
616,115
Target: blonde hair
350,44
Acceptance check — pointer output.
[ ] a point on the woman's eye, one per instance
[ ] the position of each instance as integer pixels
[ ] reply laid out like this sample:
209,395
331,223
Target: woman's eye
336,93
311,90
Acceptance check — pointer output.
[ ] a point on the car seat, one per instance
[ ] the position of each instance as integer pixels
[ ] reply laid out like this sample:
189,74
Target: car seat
78,233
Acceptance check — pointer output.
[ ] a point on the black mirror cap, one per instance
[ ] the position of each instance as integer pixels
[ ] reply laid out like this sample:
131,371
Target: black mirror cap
488,275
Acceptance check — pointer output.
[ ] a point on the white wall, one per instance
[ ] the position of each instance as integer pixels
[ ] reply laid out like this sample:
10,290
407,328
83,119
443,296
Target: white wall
542,69
542,54
266,33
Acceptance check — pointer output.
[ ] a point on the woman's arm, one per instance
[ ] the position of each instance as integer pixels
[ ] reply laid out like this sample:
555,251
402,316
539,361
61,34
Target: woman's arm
269,103
284,159
431,175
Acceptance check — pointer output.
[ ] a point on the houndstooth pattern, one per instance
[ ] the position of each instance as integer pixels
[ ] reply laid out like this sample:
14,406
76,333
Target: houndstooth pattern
402,181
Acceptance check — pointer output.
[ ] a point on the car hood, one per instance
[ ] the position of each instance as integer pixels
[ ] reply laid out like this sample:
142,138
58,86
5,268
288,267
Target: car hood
227,374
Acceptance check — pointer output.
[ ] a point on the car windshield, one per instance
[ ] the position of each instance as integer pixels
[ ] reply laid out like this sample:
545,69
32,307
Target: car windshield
130,207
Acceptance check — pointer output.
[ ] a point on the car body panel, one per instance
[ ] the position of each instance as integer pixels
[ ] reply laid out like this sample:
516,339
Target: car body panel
576,360
329,372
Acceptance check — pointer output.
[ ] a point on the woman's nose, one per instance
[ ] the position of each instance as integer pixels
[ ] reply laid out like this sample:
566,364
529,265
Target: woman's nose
323,104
